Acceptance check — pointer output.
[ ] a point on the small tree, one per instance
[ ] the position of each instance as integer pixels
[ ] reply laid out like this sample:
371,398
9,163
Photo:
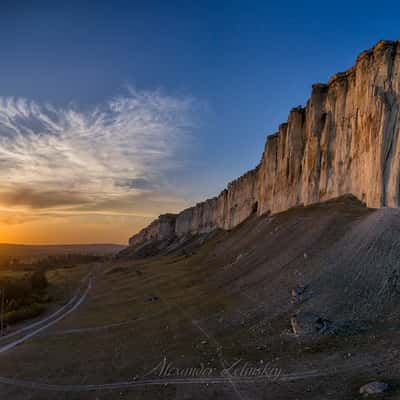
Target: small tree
39,280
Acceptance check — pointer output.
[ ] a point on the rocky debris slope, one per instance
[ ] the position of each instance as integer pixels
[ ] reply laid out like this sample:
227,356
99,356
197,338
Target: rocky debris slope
345,140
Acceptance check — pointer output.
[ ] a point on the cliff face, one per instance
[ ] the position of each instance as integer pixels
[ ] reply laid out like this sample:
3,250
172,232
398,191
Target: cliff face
229,209
346,140
160,229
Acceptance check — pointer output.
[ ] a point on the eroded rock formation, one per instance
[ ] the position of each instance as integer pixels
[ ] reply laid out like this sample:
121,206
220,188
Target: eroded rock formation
346,140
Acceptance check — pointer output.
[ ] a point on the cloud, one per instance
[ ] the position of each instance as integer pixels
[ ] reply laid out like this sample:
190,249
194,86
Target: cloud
138,183
69,159
140,204
15,218
20,196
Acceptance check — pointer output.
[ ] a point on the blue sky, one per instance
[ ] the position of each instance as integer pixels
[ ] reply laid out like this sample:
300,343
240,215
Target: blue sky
227,71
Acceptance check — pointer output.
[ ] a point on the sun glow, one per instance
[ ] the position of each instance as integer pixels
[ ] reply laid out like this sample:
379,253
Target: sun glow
73,176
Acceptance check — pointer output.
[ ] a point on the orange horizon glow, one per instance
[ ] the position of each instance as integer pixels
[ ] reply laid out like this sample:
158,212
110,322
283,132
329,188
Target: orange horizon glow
76,230
87,176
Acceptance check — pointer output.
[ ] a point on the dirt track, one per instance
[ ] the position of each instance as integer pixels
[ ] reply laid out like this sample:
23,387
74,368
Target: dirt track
29,331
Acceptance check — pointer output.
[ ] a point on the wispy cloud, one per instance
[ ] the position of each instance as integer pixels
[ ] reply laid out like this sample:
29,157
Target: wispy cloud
65,159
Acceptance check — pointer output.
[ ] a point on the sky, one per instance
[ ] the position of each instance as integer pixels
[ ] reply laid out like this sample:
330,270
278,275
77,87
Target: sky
113,112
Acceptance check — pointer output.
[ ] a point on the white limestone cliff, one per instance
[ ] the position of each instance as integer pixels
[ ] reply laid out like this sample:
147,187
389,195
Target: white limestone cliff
346,140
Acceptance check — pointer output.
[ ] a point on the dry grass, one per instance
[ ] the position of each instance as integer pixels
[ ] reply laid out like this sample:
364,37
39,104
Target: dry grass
230,300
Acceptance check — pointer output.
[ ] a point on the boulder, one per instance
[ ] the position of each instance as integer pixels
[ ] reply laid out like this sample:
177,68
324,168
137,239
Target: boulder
374,388
309,323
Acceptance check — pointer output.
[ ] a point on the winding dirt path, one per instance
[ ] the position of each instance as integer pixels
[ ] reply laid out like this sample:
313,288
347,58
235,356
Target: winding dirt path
39,326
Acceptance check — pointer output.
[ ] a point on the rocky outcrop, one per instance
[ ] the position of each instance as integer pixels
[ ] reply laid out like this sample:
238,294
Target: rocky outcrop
230,208
345,140
374,388
160,229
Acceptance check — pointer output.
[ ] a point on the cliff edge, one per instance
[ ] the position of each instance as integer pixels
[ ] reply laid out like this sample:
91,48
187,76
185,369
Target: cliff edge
345,140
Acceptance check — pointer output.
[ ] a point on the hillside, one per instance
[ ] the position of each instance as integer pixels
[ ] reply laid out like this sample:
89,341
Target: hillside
329,271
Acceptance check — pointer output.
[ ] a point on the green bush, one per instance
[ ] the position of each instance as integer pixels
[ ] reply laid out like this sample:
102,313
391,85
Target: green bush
25,312
24,296
39,280
16,289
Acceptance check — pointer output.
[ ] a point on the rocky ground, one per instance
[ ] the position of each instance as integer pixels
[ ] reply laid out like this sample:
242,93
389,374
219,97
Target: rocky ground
300,305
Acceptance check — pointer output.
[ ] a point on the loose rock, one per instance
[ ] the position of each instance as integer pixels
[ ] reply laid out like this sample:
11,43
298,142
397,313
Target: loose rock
374,388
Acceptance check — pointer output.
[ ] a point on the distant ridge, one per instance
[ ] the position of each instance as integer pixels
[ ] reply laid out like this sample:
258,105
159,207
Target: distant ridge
20,251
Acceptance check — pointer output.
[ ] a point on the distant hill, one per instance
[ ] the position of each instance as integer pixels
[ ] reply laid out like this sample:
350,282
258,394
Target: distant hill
21,252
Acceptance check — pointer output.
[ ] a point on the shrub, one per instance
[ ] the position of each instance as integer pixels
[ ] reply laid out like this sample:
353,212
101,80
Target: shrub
31,311
39,280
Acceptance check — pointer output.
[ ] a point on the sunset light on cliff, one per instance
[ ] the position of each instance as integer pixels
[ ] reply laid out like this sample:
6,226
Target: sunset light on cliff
143,109
199,200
